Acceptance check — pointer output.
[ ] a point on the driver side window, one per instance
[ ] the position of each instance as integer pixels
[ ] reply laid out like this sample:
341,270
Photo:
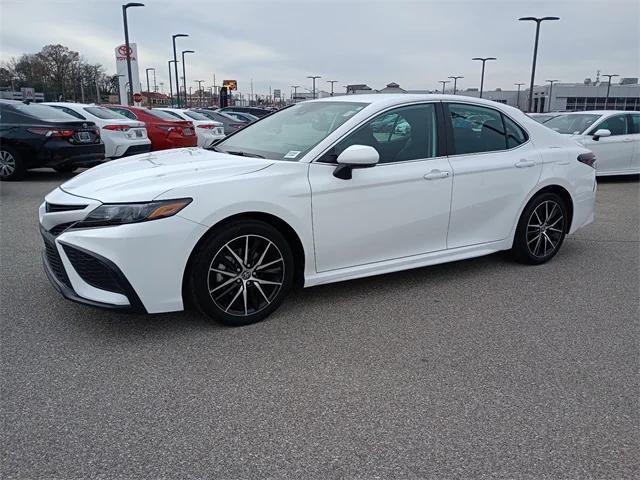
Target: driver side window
617,125
401,134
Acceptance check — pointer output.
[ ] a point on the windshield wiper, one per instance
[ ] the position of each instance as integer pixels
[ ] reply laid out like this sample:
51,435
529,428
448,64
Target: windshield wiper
243,154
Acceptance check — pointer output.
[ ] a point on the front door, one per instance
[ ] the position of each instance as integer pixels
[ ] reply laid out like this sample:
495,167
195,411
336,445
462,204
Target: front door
613,153
395,209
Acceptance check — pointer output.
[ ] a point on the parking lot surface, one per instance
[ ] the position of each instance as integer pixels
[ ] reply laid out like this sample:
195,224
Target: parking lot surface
476,369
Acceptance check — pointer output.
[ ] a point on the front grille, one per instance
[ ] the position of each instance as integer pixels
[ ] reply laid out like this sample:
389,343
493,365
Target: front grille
55,262
58,229
93,271
56,207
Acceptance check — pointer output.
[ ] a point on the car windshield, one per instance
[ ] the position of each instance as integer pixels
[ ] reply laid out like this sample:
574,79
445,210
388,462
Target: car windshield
164,115
292,132
572,124
105,113
43,112
196,116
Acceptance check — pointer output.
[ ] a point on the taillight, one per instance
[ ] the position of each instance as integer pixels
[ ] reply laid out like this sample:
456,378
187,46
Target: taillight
52,132
588,159
117,128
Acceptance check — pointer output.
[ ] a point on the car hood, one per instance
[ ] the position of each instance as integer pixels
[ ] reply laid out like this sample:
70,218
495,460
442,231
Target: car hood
144,177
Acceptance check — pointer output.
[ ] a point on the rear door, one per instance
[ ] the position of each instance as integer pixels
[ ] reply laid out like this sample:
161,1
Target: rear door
634,123
495,167
613,153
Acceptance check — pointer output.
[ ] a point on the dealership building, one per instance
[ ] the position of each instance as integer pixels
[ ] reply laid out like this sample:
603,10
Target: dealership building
588,95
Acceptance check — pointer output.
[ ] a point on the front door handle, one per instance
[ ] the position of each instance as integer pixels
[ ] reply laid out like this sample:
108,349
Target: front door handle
524,163
436,174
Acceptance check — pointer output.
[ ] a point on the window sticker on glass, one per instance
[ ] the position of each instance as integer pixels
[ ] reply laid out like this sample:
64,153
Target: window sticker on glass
292,154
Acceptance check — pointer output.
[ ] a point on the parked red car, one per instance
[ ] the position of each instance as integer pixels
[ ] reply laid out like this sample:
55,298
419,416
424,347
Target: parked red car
163,129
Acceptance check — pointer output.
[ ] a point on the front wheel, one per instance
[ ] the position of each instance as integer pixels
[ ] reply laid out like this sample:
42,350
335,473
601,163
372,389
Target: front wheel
242,272
11,165
541,229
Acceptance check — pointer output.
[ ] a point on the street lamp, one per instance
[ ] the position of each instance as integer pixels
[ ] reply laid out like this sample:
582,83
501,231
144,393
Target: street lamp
455,82
126,43
175,66
538,21
606,100
148,96
444,82
170,82
551,82
200,82
313,77
518,97
483,60
332,82
295,92
184,75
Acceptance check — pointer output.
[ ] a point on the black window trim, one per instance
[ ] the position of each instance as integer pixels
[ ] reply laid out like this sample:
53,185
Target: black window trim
440,131
448,127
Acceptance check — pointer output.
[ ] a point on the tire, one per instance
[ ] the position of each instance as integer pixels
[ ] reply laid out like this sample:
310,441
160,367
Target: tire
65,169
234,292
541,229
11,165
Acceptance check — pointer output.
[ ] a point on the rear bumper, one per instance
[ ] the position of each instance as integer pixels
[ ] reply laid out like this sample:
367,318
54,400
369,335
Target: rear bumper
126,150
71,156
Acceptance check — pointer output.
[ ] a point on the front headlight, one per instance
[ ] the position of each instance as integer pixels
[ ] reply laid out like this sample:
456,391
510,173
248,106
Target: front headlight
110,214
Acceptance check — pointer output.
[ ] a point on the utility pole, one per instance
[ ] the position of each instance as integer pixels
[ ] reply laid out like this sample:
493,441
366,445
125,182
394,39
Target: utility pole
535,51
606,100
455,82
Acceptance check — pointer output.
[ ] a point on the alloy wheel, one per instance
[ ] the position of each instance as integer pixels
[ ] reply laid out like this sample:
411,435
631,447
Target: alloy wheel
545,229
7,163
246,275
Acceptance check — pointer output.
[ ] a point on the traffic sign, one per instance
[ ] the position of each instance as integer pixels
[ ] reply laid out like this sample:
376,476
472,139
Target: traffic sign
137,97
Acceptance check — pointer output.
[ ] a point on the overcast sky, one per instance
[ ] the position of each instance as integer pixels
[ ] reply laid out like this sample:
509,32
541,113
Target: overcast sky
278,43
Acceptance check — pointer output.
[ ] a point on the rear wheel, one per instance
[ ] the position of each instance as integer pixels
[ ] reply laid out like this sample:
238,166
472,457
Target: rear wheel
242,273
65,169
541,229
11,166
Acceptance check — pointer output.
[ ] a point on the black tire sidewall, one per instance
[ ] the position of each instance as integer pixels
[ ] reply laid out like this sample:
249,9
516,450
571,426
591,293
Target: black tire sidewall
520,248
211,245
19,171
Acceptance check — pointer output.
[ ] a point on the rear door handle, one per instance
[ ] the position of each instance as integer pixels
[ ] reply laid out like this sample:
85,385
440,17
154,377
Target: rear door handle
436,174
524,163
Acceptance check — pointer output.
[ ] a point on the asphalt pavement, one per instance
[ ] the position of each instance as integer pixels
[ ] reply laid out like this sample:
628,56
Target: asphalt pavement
476,369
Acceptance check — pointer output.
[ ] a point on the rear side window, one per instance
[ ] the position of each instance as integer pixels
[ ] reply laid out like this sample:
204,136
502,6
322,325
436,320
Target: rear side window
125,112
164,115
43,112
104,113
635,122
68,111
480,129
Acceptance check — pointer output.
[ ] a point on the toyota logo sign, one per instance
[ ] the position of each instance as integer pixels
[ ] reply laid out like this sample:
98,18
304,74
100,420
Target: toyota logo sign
122,50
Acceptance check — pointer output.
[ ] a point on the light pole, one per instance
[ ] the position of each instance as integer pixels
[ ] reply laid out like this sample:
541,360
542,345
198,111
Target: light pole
444,82
184,75
314,77
455,82
148,96
175,66
483,60
551,82
606,100
200,82
295,92
126,43
332,82
538,21
170,82
518,97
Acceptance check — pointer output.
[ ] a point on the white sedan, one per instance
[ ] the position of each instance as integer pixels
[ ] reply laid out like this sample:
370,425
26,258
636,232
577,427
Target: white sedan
314,194
121,136
207,130
614,137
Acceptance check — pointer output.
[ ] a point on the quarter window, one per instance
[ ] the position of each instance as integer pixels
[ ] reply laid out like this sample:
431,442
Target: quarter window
406,133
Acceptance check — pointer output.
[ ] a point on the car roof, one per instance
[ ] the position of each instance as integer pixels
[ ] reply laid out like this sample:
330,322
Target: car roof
600,112
73,104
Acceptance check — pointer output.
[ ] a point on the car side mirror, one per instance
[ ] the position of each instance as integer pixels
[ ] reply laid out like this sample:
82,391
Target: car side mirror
601,132
355,156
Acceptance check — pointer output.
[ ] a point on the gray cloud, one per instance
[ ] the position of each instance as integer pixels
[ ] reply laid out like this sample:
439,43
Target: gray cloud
278,43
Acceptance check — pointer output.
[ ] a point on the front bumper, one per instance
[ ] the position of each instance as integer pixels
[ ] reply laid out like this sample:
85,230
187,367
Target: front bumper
136,267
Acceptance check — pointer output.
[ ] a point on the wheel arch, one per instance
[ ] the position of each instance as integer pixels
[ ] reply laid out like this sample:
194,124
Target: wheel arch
279,224
564,194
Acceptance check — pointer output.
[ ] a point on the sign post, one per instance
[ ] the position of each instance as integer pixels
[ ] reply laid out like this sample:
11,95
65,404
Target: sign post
121,71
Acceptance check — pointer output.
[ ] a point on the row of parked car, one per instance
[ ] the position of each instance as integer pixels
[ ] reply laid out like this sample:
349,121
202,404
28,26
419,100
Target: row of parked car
66,136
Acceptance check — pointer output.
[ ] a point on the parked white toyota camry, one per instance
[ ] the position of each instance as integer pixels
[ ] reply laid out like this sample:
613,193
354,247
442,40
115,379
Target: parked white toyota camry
320,192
